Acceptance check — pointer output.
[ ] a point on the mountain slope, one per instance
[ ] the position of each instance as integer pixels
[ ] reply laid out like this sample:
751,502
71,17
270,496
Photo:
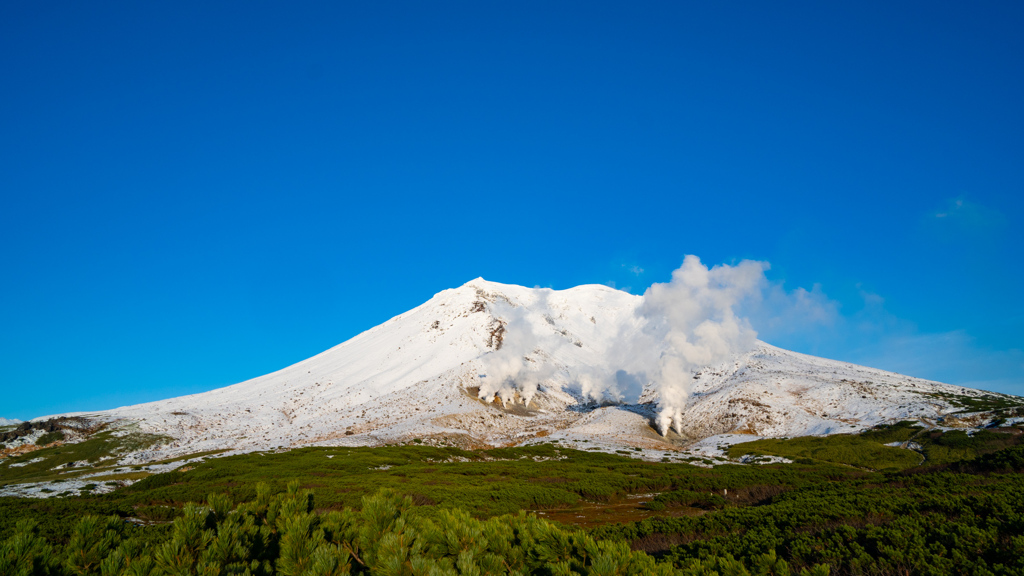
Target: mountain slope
489,363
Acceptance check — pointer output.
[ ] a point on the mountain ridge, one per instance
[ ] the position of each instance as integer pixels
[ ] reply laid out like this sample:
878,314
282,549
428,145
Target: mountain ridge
498,364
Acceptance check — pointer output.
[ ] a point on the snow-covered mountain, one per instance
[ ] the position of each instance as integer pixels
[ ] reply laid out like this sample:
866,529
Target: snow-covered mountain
437,373
9,421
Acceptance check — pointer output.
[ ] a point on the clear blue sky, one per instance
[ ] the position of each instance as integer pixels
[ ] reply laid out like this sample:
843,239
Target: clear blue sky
194,194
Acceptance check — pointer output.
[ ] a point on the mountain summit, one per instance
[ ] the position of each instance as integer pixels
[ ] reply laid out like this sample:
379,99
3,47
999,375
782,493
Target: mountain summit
496,364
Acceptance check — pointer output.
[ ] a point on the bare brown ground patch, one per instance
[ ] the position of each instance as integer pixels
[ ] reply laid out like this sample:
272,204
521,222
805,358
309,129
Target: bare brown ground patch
593,514
23,449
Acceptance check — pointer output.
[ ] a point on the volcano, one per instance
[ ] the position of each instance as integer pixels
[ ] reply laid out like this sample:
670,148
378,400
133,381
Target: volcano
429,376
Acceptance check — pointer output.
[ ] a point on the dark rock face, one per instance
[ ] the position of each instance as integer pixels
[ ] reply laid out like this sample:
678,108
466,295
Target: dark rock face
51,425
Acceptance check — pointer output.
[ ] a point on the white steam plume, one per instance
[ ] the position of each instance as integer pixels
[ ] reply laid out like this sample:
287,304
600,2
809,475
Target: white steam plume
521,364
693,319
680,326
528,357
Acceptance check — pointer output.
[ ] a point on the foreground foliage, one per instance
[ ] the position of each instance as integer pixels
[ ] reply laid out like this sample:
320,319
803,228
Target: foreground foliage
284,535
929,523
426,510
484,483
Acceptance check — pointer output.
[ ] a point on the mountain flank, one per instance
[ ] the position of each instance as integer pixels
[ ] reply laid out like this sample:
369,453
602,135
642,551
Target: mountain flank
440,374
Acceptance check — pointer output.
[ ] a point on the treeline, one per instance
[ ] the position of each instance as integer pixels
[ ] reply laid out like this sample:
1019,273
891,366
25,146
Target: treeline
283,535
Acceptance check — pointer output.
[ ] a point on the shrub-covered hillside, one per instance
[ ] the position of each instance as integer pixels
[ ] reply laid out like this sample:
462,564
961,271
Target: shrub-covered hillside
418,510
284,535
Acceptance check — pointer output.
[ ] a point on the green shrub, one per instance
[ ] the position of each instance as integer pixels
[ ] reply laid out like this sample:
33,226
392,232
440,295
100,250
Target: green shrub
1009,460
50,438
158,481
955,439
851,449
898,432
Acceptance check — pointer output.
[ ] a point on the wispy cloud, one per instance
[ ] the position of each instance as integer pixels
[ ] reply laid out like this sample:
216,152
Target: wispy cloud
613,284
866,332
871,335
954,357
962,216
783,312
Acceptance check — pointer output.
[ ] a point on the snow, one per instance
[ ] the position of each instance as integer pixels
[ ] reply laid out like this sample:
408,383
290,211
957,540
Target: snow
418,376
26,463
9,421
94,483
28,439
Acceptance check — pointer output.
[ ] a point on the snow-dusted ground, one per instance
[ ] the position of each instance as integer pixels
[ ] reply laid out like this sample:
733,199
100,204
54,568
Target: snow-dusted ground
418,375
96,483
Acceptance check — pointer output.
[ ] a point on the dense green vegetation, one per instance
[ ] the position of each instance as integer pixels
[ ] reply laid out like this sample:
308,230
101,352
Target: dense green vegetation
50,437
989,402
851,449
427,510
927,523
284,535
956,445
868,450
542,478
